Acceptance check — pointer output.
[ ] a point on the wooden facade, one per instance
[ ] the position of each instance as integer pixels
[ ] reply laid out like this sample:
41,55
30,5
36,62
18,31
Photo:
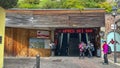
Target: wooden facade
55,18
17,43
23,24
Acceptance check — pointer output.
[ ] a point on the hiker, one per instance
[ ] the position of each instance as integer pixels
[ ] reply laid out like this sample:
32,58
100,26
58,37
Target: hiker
82,49
105,51
90,49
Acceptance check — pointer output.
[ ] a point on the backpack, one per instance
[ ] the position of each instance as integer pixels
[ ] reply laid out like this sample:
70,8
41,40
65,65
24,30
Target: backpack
109,50
81,47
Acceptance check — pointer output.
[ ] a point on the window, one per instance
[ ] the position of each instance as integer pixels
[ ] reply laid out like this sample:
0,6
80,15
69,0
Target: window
39,43
36,43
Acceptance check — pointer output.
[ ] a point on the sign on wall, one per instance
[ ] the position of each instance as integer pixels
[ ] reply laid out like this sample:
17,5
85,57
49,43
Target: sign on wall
0,39
43,34
47,42
110,36
113,26
72,30
36,43
39,43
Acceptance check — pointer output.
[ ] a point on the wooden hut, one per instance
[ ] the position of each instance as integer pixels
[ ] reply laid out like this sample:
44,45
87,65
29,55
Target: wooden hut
29,31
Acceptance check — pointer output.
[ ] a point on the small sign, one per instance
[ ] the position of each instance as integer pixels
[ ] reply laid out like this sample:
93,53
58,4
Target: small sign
70,30
0,39
113,26
43,34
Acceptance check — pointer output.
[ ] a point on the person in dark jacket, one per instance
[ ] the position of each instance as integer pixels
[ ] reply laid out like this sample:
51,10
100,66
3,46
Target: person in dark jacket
90,49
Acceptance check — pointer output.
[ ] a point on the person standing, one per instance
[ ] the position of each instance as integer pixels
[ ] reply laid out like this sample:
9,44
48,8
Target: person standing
52,47
82,49
105,51
89,49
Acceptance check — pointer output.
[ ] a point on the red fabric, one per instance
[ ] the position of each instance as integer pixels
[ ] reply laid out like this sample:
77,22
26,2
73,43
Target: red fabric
81,47
105,48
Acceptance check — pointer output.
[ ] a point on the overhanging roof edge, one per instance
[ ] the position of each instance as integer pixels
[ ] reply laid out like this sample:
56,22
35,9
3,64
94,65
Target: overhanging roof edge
59,9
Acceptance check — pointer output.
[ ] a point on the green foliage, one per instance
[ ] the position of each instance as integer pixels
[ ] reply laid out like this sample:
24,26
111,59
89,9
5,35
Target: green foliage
64,4
28,4
118,10
82,3
8,3
73,4
25,5
44,4
32,1
98,1
90,4
106,5
47,4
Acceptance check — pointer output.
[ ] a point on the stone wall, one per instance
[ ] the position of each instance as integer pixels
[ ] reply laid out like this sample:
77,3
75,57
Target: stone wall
109,19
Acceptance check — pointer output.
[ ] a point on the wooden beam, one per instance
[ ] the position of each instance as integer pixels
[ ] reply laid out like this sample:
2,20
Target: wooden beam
55,11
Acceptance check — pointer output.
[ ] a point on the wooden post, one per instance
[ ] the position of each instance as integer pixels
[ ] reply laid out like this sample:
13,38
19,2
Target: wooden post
2,31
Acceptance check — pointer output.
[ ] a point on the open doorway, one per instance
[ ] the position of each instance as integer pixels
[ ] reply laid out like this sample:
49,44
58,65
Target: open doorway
67,40
73,44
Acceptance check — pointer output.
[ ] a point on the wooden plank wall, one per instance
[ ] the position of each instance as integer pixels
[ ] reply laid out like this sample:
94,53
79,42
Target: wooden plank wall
8,49
17,43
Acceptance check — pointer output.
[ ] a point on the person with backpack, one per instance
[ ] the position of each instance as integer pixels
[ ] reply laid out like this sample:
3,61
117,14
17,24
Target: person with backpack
82,49
90,49
105,51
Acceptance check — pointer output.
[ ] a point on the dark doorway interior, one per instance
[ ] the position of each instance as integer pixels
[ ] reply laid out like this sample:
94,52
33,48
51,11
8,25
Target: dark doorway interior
73,44
67,43
64,46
